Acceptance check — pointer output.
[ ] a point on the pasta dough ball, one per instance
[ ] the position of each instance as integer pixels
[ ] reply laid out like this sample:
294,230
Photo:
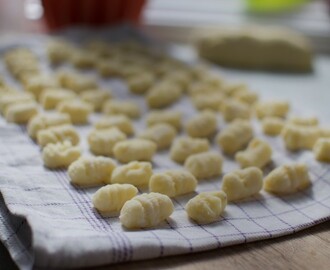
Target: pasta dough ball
322,149
57,134
62,154
140,84
233,109
204,165
111,198
50,98
102,141
272,125
42,121
173,183
203,125
163,95
75,81
170,117
21,113
212,101
96,97
78,110
91,171
184,147
308,121
272,108
206,207
127,108
38,83
299,137
162,134
241,184
122,122
235,137
134,149
287,179
257,154
14,98
146,210
135,173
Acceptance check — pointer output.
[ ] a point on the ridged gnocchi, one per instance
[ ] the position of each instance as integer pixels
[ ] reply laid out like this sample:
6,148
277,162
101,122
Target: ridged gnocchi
232,109
78,110
122,122
321,149
173,183
272,125
37,84
146,210
170,117
128,108
50,98
203,125
272,108
75,81
90,171
241,184
208,101
304,121
207,207
257,154
96,97
10,98
21,113
111,198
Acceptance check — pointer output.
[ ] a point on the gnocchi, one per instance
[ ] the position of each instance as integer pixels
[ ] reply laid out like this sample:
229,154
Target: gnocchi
299,137
111,198
135,173
57,134
248,97
307,121
272,125
37,84
61,154
96,97
50,98
146,210
232,109
75,81
42,121
212,101
163,95
9,99
162,134
207,207
59,51
184,147
122,122
173,183
134,149
287,179
257,154
140,84
21,113
235,137
322,149
128,108
204,165
241,184
90,171
78,110
170,117
83,59
203,125
272,108
102,141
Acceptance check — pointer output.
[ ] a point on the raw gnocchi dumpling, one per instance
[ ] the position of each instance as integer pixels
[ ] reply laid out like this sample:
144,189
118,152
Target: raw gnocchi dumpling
162,134
75,81
42,121
173,183
58,134
96,97
272,108
10,98
208,101
163,95
128,108
203,125
170,117
78,110
204,165
232,109
299,137
272,125
83,59
322,149
146,210
235,136
102,141
61,154
59,51
184,147
257,154
50,98
136,173
248,97
122,122
241,184
134,149
90,171
38,83
141,83
287,179
111,198
21,113
207,207
304,121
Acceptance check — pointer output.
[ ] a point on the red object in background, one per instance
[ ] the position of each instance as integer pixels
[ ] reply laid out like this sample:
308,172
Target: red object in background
61,13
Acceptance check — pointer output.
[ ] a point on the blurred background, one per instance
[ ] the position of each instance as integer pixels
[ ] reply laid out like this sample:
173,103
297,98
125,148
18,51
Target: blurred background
170,20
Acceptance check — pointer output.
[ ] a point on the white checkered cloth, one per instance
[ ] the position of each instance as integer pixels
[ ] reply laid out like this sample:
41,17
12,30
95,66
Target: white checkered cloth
47,222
